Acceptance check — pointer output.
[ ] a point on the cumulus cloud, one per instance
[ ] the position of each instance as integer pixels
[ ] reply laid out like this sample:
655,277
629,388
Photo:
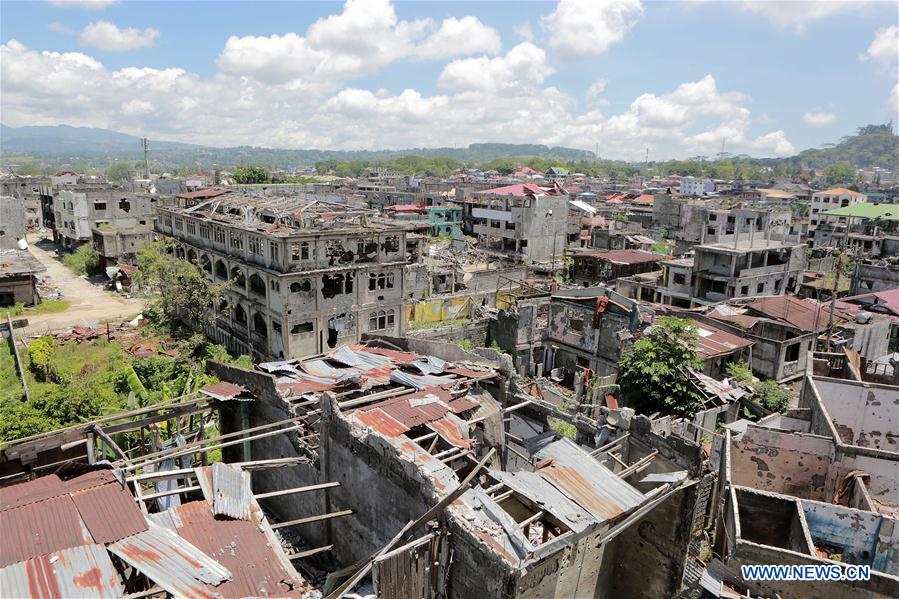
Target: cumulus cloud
503,98
884,49
523,65
796,15
587,28
818,119
107,37
86,4
597,88
364,37
524,31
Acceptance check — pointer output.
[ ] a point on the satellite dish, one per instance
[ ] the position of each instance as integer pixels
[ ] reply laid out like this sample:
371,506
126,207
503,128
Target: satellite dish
23,245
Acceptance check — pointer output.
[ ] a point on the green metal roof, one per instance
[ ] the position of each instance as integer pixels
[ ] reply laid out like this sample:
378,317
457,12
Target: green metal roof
867,211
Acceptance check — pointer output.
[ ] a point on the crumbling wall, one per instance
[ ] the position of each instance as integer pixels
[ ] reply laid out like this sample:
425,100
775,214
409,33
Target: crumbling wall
477,571
656,544
780,462
580,569
476,333
863,537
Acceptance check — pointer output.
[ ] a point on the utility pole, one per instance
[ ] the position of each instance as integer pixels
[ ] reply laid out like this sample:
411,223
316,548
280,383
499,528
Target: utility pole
145,144
833,299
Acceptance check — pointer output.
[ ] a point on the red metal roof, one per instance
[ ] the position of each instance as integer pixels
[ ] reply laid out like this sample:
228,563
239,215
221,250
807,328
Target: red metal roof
379,421
109,512
519,189
38,528
450,431
241,547
406,208
223,390
712,341
795,312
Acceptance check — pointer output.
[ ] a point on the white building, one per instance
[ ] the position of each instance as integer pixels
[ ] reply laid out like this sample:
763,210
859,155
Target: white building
695,186
828,199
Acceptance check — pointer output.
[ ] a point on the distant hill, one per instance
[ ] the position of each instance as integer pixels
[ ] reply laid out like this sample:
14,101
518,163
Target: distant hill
90,143
873,145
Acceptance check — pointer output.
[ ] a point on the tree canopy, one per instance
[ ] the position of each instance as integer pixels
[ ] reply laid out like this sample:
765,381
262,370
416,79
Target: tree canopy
653,371
252,175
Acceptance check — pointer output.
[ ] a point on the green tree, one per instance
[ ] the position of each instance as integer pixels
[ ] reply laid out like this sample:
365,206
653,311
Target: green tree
653,370
83,261
841,173
119,172
773,396
739,372
184,293
252,174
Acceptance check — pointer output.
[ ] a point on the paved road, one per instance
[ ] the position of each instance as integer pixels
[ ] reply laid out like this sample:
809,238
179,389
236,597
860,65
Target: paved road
90,304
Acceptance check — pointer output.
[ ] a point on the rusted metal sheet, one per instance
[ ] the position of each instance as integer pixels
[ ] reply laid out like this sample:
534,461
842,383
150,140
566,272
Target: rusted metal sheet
587,482
398,357
452,430
41,527
109,512
378,421
231,491
460,404
78,572
414,415
31,491
548,497
226,392
172,562
243,548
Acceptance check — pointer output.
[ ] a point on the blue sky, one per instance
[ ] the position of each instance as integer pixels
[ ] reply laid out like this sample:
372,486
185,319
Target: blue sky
678,78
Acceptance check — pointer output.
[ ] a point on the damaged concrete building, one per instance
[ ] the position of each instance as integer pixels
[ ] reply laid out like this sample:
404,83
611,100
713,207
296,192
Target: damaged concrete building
79,209
816,485
304,276
410,432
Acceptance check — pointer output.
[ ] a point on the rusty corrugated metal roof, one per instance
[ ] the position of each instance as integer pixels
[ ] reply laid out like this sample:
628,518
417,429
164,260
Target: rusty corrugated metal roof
172,562
378,421
225,391
243,548
587,482
41,527
78,572
109,512
450,430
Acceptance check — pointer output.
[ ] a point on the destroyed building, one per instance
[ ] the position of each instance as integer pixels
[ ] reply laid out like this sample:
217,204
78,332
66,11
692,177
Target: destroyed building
817,485
591,266
525,222
401,435
302,276
18,267
77,210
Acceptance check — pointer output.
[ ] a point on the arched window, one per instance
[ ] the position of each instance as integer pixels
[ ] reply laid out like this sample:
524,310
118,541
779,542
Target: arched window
257,285
301,286
259,325
191,255
179,252
221,271
238,277
240,315
380,320
223,307
206,263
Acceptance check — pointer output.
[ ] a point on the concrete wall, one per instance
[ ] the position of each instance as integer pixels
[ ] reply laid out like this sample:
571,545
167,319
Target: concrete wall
12,222
864,537
782,462
864,414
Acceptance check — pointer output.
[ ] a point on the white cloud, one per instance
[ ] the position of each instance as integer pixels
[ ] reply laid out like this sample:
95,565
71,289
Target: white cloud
818,119
107,37
467,32
525,64
586,28
795,15
599,86
513,103
884,49
86,4
364,37
524,31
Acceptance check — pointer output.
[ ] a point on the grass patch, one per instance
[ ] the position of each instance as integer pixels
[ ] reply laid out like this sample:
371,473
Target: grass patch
45,307
563,428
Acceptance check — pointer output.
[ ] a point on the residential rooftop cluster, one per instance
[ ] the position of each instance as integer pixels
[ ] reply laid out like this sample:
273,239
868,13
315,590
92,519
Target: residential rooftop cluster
441,401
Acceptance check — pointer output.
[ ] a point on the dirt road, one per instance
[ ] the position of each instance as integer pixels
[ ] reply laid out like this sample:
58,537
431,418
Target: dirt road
89,304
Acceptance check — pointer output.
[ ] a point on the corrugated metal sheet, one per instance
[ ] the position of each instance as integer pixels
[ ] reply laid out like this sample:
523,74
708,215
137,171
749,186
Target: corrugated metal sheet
172,562
358,358
547,496
452,430
398,357
226,391
378,421
41,527
460,404
79,572
586,481
109,512
244,549
419,381
413,415
231,491
30,491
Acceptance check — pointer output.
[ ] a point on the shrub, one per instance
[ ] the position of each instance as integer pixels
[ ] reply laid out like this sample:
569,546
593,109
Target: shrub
83,261
773,396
